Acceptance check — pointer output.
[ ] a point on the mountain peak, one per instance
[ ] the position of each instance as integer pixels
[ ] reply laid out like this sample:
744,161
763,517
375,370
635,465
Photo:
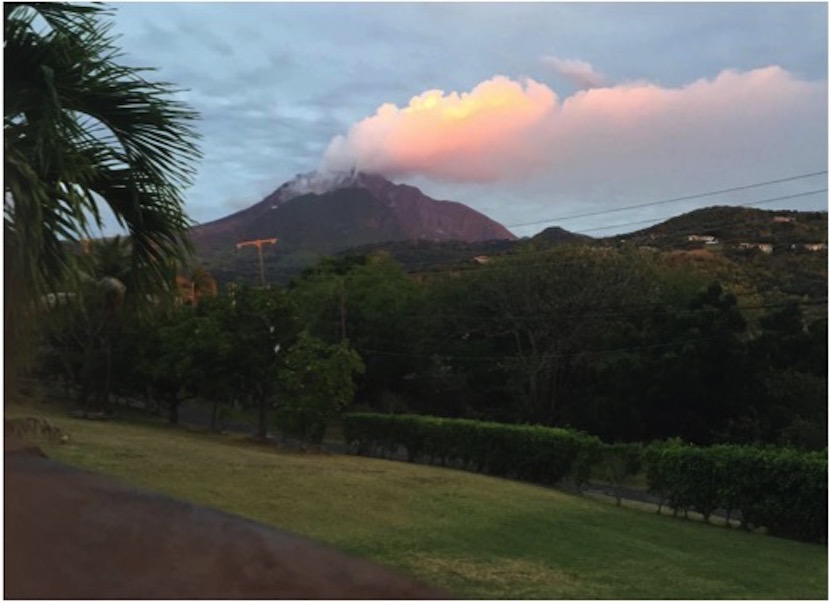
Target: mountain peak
321,182
331,211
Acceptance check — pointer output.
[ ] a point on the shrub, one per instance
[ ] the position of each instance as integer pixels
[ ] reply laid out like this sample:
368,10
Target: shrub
783,490
532,453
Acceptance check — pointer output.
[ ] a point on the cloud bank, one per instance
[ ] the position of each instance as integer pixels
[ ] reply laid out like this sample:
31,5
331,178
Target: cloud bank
505,130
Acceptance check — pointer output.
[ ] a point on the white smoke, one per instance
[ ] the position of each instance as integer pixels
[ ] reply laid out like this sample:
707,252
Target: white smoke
316,182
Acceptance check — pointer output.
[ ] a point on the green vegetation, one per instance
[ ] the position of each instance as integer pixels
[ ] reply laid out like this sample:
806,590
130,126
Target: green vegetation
317,383
476,536
531,453
782,490
616,343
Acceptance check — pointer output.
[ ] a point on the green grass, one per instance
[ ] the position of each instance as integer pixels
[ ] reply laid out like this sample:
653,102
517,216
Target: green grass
472,535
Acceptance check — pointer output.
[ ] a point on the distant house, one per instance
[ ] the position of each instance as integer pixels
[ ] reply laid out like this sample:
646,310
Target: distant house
704,238
481,259
783,219
764,247
815,246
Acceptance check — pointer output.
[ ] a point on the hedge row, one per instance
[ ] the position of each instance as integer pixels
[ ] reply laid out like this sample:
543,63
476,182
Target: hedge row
783,490
531,453
780,489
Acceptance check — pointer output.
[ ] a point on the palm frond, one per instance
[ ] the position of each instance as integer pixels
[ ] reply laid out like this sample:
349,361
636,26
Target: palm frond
80,129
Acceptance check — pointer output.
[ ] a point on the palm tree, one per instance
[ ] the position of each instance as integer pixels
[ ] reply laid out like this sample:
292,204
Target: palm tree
82,131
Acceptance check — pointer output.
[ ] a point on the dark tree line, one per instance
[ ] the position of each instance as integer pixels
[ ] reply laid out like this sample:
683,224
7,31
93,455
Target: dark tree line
619,344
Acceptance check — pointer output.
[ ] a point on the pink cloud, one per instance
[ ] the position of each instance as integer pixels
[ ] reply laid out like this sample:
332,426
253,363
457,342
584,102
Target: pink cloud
450,136
507,130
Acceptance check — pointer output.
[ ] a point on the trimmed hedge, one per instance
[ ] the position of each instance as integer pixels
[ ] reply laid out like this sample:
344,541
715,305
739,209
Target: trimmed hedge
783,490
530,453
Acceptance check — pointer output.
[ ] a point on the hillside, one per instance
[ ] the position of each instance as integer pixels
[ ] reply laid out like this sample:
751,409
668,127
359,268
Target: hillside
557,235
783,254
420,255
472,535
731,226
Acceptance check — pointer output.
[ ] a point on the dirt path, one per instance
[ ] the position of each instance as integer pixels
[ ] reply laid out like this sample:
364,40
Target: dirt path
70,534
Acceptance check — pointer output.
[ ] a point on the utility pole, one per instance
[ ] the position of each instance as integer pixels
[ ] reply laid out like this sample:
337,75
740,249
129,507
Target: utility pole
258,244
342,308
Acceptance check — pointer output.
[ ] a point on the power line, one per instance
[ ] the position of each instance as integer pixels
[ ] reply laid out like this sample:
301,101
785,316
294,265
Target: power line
702,227
625,311
672,200
544,356
503,357
752,204
680,232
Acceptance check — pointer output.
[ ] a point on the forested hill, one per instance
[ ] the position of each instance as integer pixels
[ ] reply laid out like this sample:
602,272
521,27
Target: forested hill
557,235
782,255
733,226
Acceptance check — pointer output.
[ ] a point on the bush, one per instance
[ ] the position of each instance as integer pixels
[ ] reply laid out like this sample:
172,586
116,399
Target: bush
531,453
783,490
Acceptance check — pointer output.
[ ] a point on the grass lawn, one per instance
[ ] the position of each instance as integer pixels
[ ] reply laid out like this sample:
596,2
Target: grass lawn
475,536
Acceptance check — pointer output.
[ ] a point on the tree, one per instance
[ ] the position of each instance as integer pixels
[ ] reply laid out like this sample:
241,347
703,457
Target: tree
316,382
82,131
676,371
370,301
262,324
213,366
105,294
540,313
80,326
789,359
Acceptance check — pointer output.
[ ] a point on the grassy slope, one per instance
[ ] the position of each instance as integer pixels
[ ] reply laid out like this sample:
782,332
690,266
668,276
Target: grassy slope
473,535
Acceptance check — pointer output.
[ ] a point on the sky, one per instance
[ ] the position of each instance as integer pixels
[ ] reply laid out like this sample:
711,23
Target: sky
532,113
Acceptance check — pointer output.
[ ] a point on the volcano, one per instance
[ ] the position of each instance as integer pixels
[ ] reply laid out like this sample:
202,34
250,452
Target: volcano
329,213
